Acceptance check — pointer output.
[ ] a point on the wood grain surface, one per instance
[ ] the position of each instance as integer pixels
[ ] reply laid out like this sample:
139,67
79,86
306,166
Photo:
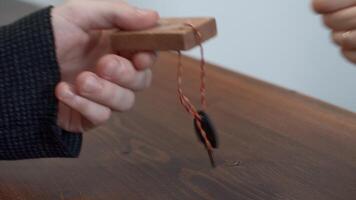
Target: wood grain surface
274,144
169,34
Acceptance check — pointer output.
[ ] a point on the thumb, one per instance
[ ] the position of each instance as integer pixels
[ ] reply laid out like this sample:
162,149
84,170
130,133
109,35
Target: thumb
91,15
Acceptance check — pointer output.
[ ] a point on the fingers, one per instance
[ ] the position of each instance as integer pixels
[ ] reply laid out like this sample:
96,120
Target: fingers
92,111
122,72
346,40
104,92
341,20
350,55
340,16
144,60
94,96
91,15
328,6
141,60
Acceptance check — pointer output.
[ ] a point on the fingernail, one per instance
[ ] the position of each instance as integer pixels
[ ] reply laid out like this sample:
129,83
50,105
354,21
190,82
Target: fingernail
91,84
110,69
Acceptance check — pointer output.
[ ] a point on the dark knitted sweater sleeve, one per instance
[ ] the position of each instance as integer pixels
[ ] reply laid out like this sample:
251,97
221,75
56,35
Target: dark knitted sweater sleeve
29,73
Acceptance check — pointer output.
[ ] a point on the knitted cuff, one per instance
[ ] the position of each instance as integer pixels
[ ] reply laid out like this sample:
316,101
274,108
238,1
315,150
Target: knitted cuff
29,72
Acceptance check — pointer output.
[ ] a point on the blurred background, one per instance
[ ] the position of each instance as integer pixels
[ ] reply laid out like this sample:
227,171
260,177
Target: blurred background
280,41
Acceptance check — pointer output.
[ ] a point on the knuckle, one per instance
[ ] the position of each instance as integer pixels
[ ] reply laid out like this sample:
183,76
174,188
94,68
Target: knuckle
64,92
125,73
87,82
106,65
82,77
116,68
106,60
144,60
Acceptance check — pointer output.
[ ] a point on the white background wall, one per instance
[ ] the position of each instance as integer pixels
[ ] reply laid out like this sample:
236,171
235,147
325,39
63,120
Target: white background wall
280,41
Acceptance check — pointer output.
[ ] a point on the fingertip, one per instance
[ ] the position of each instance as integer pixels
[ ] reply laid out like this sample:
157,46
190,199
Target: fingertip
336,38
144,60
59,88
130,99
105,116
349,55
64,91
326,20
324,6
156,16
329,6
319,6
94,112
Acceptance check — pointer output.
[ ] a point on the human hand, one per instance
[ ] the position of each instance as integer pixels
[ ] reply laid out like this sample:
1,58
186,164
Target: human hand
340,17
95,80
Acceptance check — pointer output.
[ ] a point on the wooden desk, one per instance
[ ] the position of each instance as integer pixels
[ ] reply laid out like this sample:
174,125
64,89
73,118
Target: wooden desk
290,147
